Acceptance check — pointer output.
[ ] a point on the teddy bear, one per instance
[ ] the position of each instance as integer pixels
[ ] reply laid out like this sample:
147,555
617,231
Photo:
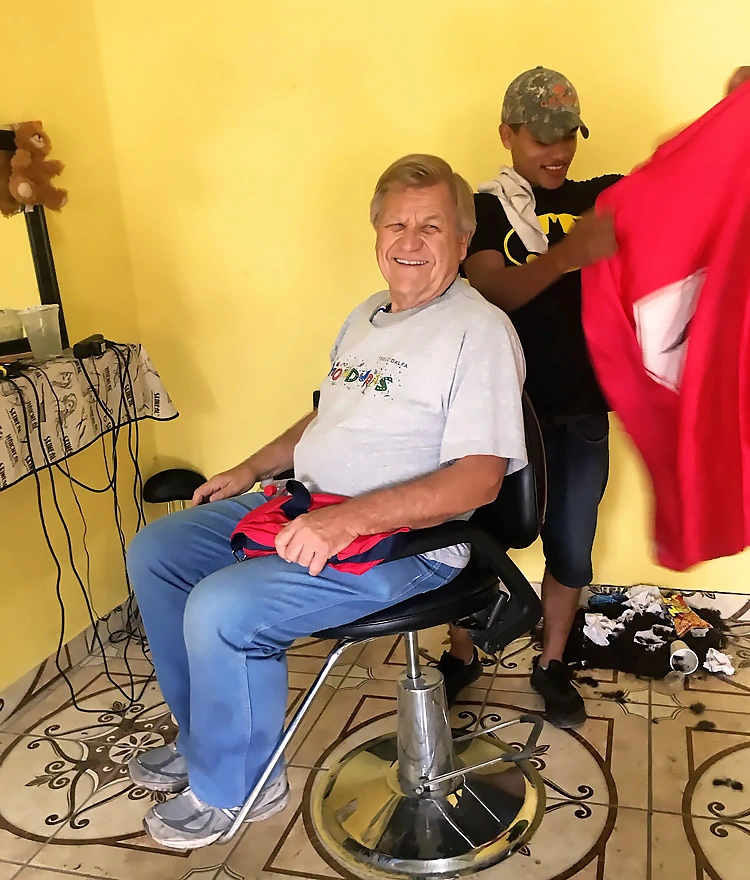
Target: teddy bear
8,205
31,171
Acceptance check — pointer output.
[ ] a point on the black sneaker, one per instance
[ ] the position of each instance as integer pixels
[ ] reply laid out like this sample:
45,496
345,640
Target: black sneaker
564,706
458,674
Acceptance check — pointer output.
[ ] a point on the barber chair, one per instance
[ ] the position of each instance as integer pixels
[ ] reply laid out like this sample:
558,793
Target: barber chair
419,802
173,487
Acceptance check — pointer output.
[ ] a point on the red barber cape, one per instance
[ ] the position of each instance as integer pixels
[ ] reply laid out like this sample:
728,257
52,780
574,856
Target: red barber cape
256,532
668,327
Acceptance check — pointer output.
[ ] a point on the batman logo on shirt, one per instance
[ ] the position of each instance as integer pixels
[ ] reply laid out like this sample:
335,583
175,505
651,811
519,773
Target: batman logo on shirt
554,226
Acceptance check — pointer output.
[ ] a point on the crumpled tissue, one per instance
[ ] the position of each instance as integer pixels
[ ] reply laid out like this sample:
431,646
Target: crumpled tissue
599,628
718,662
646,600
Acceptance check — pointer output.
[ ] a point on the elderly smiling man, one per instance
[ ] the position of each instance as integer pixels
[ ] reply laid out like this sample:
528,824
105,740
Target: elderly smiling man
429,439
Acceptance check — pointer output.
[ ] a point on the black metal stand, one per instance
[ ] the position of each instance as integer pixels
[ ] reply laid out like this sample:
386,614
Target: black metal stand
41,250
44,265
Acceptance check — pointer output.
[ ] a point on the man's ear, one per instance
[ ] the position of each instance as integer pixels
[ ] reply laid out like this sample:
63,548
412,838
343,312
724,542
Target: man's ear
464,246
506,135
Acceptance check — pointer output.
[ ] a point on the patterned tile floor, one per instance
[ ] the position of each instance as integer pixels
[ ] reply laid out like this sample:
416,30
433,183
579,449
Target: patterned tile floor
629,795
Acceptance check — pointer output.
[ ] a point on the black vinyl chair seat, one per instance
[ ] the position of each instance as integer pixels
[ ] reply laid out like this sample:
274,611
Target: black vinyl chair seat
470,591
173,484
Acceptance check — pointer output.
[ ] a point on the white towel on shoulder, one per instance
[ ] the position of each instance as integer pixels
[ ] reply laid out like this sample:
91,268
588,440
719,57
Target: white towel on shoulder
517,198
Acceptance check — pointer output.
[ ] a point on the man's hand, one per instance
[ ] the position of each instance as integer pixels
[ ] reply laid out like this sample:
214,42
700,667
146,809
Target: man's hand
590,240
226,485
311,539
742,74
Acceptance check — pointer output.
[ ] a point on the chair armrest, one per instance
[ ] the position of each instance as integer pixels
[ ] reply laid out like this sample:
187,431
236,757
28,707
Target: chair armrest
523,609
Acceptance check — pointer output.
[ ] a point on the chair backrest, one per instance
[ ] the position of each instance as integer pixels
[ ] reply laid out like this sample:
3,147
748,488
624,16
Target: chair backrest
516,516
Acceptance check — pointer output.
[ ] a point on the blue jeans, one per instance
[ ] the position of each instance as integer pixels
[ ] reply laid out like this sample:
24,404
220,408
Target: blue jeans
219,629
577,470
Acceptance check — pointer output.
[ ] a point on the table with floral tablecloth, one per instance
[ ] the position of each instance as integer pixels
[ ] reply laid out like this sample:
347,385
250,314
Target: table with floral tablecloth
59,406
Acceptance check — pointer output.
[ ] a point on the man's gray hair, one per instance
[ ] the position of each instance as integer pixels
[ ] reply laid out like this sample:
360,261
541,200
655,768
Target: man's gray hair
420,170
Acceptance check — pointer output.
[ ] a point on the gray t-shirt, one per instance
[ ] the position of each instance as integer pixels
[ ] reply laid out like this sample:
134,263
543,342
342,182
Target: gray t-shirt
410,392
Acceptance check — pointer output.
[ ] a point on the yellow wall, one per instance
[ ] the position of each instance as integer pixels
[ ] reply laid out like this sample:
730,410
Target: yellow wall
249,138
220,162
56,77
18,287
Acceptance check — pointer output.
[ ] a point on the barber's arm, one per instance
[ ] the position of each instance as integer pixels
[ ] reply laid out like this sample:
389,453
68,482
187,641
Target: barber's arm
468,483
272,459
511,287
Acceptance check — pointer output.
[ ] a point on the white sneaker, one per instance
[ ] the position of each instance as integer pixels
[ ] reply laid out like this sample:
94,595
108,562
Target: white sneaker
187,822
162,769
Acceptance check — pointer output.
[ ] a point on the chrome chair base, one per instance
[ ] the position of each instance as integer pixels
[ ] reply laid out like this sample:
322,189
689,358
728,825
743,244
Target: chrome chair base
420,803
371,826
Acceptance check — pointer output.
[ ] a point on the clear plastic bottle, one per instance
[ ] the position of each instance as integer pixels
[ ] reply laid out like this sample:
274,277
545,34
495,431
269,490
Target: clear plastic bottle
672,683
272,488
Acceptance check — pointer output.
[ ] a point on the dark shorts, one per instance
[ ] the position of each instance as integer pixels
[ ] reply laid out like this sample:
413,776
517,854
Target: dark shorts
577,470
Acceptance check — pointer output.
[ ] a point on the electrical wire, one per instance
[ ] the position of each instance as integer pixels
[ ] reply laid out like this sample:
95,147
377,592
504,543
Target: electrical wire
132,624
48,540
132,629
73,483
123,359
113,426
131,696
123,354
45,532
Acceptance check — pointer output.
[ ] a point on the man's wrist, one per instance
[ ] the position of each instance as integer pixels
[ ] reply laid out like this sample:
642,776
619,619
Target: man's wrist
559,255
353,512
251,472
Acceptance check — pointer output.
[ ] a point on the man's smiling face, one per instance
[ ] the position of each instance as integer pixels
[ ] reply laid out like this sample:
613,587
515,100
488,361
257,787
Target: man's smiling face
544,165
419,245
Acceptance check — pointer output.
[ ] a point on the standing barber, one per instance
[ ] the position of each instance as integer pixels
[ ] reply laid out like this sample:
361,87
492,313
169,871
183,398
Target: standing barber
523,260
535,230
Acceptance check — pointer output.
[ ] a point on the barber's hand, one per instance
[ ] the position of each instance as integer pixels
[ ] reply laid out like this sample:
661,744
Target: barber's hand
226,485
311,539
590,240
742,74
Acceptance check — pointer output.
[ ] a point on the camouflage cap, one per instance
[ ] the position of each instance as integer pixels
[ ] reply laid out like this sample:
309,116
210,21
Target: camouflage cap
546,102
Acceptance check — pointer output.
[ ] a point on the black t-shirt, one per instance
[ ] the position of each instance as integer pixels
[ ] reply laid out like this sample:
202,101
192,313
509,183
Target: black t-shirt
559,376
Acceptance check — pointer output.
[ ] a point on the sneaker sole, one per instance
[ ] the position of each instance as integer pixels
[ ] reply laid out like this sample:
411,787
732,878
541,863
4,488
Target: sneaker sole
567,723
181,845
269,810
174,787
